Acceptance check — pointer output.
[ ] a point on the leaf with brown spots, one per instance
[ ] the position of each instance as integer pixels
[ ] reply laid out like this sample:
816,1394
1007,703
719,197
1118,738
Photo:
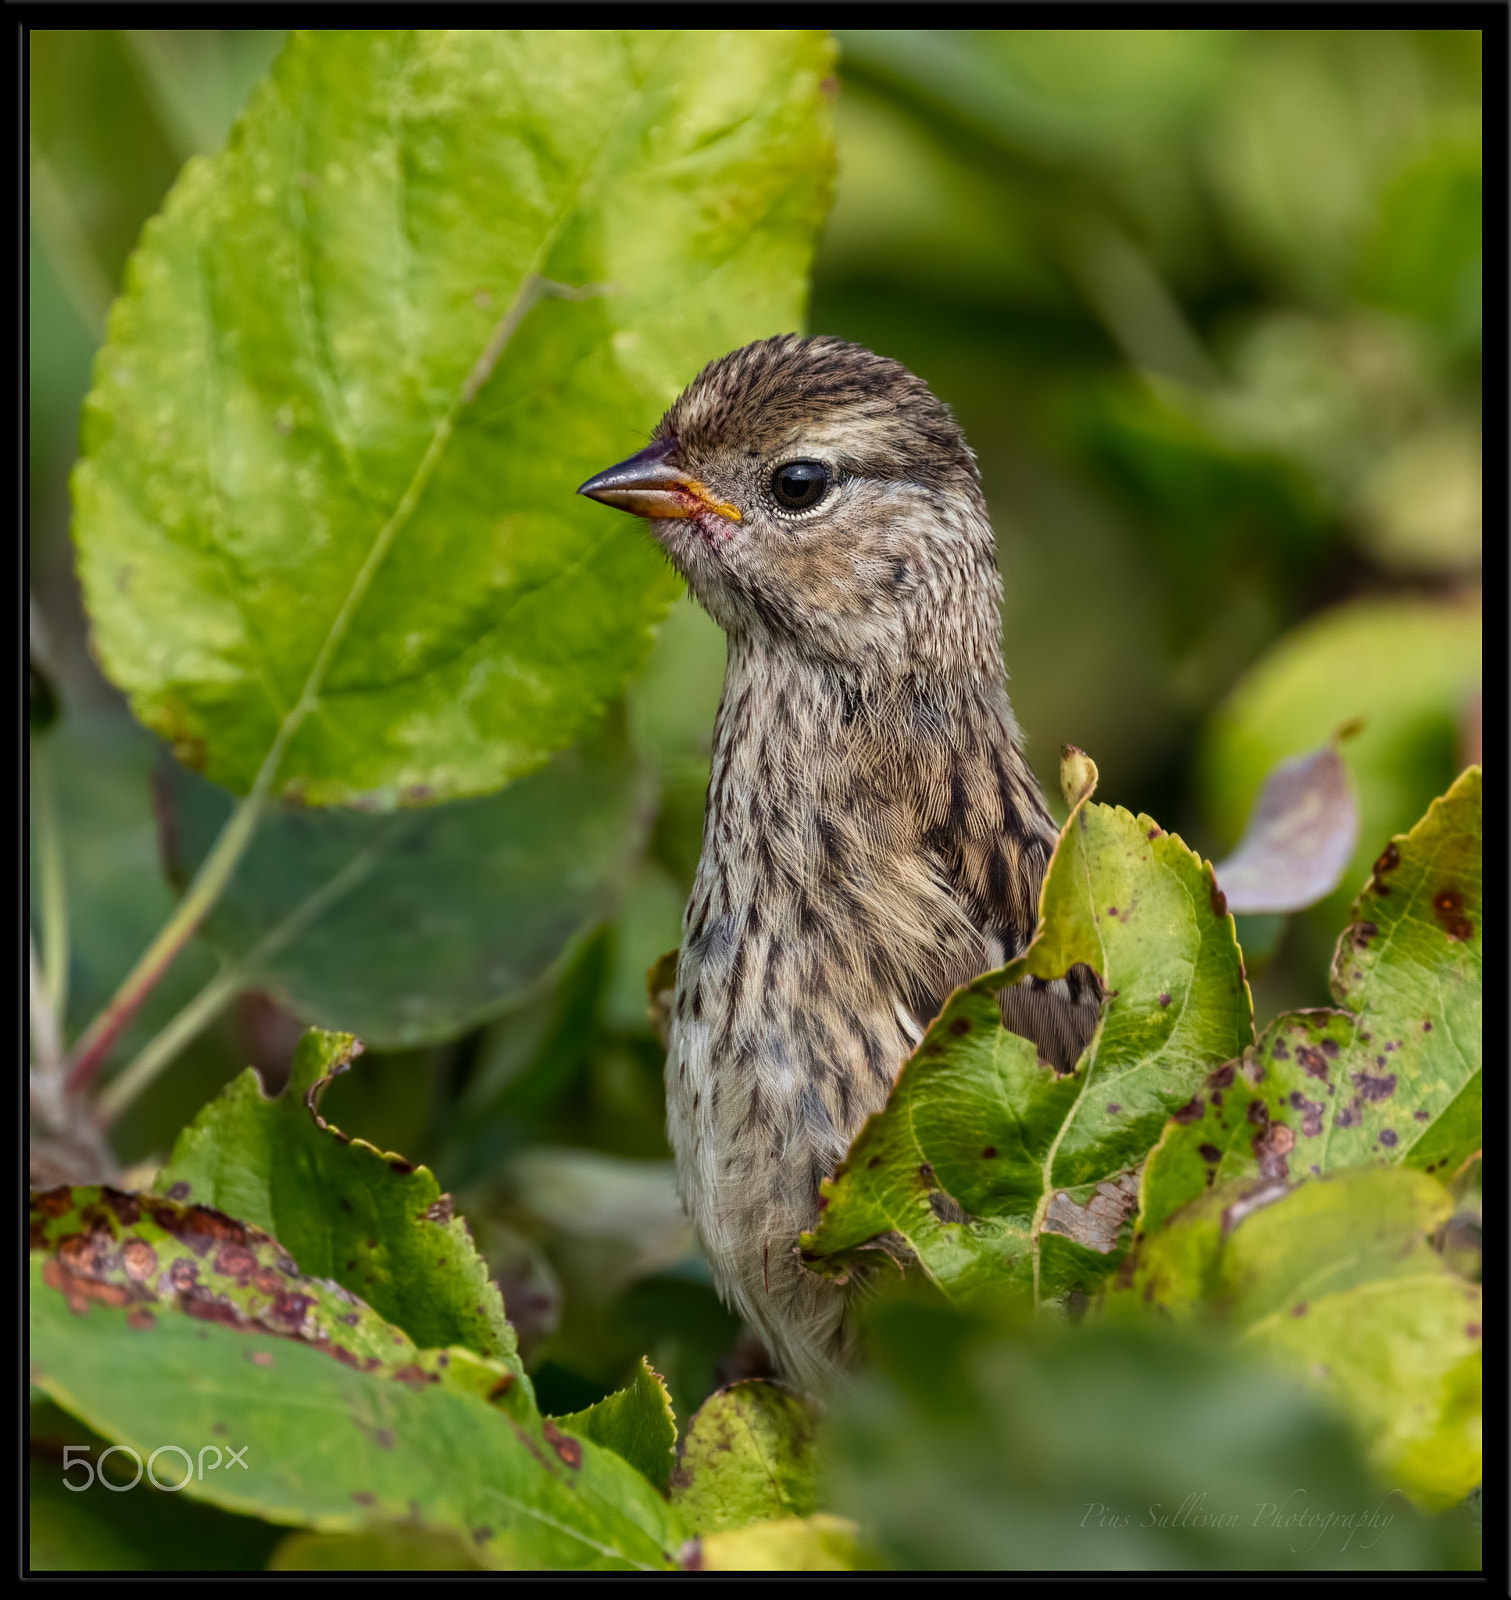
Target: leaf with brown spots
167,1257
1394,1076
1337,1279
328,1445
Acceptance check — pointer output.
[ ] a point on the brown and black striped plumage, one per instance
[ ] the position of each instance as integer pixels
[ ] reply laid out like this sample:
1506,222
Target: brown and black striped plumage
873,837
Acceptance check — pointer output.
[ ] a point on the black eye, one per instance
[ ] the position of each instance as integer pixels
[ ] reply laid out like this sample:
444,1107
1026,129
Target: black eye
800,484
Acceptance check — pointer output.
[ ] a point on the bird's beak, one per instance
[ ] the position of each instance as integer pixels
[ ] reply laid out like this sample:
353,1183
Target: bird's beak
650,486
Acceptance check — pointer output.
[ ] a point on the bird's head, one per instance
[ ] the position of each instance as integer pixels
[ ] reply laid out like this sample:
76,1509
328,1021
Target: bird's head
820,497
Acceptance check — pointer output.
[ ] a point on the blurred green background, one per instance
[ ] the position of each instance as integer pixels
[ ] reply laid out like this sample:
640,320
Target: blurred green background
1208,304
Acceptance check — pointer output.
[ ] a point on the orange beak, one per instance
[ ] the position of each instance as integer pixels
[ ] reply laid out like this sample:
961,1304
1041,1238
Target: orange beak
650,486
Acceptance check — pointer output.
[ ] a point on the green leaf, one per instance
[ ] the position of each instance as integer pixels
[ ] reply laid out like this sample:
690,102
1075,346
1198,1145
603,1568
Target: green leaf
373,1223
750,1455
1408,668
636,1423
412,928
1044,1163
974,1443
1336,1279
689,1332
1394,1077
366,354
322,1445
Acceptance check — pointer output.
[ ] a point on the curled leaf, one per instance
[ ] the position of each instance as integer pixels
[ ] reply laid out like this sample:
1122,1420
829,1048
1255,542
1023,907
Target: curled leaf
1300,836
1078,775
344,1210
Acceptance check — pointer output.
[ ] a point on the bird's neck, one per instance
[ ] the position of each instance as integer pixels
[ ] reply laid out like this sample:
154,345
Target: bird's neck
813,728
804,756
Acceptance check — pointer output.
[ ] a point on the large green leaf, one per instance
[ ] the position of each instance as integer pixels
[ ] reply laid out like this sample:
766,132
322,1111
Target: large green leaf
409,929
1337,1280
309,1442
750,1455
373,1223
366,354
1396,1075
1044,1163
1408,668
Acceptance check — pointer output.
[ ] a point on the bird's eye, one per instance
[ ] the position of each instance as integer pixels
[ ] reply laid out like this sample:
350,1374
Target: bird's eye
800,484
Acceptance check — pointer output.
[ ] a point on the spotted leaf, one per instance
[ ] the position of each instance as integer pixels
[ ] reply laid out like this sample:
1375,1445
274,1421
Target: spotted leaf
1394,1076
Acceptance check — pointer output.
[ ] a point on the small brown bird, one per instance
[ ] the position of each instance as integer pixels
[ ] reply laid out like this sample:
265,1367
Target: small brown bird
873,836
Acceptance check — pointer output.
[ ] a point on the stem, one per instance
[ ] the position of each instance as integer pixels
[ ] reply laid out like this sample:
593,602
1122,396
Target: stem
214,873
52,883
153,1057
224,987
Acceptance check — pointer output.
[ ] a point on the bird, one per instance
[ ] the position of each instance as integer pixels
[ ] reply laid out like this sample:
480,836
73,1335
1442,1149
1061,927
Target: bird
873,836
